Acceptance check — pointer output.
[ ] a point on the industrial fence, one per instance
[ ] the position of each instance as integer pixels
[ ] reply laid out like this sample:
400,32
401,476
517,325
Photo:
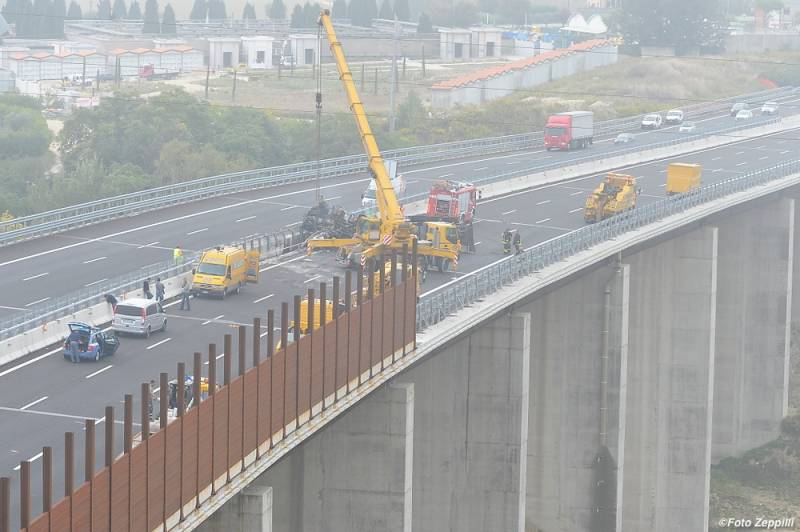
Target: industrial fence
72,217
445,300
199,447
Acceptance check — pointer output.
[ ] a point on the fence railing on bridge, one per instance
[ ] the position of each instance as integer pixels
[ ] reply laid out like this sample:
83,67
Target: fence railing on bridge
200,447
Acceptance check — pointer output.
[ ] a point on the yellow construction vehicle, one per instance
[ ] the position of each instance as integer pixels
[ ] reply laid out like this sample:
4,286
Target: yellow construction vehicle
615,194
682,178
389,229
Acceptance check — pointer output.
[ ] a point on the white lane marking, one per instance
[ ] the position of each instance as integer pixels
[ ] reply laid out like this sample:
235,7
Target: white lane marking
148,245
212,319
11,308
32,277
31,361
477,243
784,152
662,185
196,231
576,210
176,219
481,169
290,207
764,158
739,153
760,147
260,299
32,403
217,358
440,177
716,158
508,212
576,193
164,341
281,263
714,171
292,225
545,202
245,219
662,171
513,162
99,371
312,279
31,459
543,221
741,164
98,281
338,197
37,301
94,260
57,414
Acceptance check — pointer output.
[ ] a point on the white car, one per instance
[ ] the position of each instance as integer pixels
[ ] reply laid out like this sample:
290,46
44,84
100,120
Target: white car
687,127
738,106
653,121
744,114
769,108
623,138
675,116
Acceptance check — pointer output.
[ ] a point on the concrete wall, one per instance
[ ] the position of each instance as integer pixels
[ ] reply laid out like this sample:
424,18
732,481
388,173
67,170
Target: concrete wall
761,42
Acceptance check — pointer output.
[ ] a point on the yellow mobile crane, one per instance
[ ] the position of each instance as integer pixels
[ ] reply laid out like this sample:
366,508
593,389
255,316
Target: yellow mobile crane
438,243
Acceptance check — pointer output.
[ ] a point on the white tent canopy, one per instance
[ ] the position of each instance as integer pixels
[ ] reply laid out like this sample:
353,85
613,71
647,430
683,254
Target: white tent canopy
594,26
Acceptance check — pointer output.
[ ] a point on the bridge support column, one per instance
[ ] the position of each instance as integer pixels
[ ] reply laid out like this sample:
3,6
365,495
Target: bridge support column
470,442
670,387
577,403
754,310
355,475
249,511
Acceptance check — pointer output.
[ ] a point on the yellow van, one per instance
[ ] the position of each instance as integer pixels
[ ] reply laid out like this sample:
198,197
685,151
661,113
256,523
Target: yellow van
225,269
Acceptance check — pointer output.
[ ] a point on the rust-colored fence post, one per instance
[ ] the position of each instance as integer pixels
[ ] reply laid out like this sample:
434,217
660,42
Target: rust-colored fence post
47,479
336,297
284,341
69,463
359,301
163,400
371,296
180,394
256,342
109,428
296,350
212,369
323,320
127,431
393,283
242,349
257,366
197,378
88,461
348,294
145,410
270,352
312,340
415,274
24,494
227,347
381,289
226,380
5,504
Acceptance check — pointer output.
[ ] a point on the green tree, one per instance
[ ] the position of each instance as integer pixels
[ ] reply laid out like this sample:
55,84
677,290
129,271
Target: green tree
151,24
199,9
296,20
119,11
424,24
10,10
277,10
74,12
249,12
386,12
339,9
680,23
402,10
104,9
168,26
411,113
134,12
59,14
216,10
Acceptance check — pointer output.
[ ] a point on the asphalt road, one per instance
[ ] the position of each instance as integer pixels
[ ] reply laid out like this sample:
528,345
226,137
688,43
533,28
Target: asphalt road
45,396
35,273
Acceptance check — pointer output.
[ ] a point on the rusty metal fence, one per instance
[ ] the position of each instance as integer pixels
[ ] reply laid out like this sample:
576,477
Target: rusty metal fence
163,476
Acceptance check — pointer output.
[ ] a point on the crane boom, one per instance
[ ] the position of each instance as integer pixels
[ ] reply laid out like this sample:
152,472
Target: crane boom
390,213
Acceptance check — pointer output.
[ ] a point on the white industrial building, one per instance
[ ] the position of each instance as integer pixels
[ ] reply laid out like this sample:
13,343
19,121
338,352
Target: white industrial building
45,66
485,42
175,59
304,49
223,52
258,51
454,43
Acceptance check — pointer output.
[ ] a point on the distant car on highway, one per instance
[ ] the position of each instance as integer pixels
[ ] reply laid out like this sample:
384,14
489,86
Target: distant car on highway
674,116
738,106
687,127
623,138
744,114
769,108
88,343
652,121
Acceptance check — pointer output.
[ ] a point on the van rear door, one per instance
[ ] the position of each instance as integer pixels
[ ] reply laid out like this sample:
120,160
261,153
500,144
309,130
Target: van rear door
253,264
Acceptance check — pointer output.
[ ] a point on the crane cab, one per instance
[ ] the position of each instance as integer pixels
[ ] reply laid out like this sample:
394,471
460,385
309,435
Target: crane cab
368,228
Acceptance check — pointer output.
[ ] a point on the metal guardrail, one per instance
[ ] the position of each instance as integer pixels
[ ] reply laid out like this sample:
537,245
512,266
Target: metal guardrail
474,286
75,216
272,244
284,240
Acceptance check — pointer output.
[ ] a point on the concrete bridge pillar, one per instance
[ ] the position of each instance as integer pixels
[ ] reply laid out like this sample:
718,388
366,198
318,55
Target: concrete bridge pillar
577,403
470,440
673,290
754,311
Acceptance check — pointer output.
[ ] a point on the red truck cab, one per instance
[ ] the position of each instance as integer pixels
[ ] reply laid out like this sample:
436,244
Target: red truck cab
557,132
452,201
573,129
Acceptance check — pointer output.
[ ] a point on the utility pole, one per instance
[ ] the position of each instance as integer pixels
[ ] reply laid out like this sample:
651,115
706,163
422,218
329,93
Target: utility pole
393,89
375,87
423,61
363,80
319,110
233,92
208,75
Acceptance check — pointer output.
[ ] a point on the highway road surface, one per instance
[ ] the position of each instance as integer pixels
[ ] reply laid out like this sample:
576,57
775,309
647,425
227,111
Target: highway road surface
44,396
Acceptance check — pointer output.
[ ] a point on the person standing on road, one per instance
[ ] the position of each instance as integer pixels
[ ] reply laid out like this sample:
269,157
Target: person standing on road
185,291
177,255
517,243
146,289
159,290
111,300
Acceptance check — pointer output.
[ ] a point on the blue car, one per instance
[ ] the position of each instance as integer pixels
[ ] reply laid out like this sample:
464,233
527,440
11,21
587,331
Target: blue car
88,343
